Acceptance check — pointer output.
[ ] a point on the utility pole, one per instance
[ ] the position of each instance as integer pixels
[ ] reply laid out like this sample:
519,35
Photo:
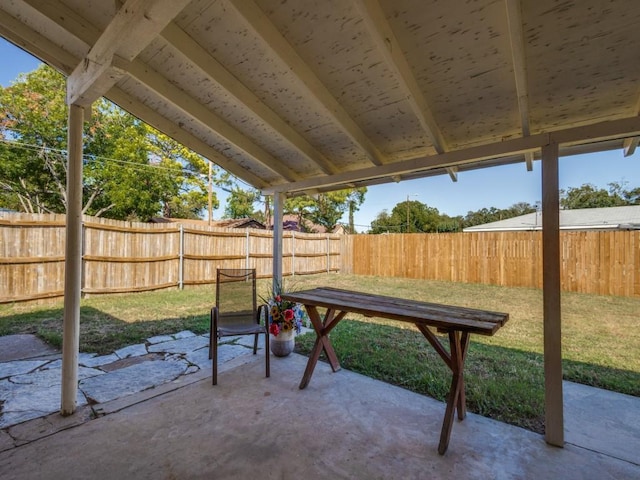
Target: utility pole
210,195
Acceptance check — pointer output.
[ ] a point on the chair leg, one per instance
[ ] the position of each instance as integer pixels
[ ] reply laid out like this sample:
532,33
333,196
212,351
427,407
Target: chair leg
267,353
210,334
255,343
213,346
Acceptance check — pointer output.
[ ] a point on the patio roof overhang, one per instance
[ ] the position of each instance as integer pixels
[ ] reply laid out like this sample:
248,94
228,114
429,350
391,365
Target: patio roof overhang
311,96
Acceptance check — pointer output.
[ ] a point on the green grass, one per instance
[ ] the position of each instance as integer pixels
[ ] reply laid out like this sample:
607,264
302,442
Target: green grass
504,373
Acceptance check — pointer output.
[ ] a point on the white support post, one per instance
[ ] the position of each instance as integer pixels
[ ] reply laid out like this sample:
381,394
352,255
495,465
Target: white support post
278,206
73,263
181,259
83,252
554,419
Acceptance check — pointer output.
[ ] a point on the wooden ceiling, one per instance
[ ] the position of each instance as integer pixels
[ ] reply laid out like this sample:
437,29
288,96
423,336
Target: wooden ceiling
313,95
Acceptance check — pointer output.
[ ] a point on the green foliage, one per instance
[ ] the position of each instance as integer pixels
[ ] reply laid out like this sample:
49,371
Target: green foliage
492,214
329,208
130,170
240,203
413,217
326,209
589,196
300,206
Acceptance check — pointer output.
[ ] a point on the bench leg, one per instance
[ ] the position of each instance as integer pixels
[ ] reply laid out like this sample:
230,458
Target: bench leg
322,329
456,397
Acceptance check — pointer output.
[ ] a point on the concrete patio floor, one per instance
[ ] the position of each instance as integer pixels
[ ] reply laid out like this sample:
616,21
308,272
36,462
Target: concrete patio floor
344,425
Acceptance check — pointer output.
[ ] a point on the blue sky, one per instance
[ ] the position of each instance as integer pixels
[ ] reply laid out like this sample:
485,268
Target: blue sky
498,187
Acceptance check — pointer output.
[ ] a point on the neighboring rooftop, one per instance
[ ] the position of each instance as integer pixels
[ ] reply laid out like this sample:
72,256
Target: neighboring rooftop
611,218
226,223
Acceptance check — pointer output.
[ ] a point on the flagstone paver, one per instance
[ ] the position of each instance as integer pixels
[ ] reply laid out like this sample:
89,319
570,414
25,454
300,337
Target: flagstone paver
23,402
183,345
133,379
51,376
19,367
132,351
160,339
184,334
31,388
97,361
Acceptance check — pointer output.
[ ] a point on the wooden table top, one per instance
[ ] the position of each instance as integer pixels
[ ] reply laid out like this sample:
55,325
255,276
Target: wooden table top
444,317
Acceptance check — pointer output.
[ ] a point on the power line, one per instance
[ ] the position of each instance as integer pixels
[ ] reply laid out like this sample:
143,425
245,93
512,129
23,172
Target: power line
91,158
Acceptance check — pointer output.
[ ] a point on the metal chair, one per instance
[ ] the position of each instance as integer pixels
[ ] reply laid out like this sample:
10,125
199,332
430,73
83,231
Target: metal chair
237,313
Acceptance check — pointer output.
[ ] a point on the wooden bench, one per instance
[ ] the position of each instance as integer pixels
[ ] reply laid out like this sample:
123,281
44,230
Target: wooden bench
458,323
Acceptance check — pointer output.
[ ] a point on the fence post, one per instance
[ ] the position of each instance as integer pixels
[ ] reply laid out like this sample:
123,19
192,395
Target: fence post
328,256
181,259
293,253
247,261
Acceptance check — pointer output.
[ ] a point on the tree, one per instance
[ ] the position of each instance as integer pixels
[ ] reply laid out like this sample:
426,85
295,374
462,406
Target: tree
131,171
493,214
301,206
354,199
330,207
240,203
408,217
589,196
383,223
632,196
326,209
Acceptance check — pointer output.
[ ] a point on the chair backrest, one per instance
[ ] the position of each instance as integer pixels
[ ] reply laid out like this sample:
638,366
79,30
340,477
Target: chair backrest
236,291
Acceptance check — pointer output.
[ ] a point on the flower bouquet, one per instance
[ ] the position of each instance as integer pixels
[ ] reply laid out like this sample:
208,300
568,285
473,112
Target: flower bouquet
284,316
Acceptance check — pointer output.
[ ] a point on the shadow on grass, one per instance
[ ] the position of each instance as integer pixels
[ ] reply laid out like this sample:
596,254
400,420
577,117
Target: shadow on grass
100,332
501,383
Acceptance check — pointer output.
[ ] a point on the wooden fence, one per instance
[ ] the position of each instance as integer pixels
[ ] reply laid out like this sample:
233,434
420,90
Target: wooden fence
129,257
597,262
132,257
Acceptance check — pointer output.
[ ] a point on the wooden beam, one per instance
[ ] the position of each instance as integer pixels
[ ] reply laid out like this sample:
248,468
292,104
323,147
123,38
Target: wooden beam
180,99
528,160
453,173
448,159
270,35
73,264
516,40
91,80
554,420
135,25
588,133
630,145
387,44
197,55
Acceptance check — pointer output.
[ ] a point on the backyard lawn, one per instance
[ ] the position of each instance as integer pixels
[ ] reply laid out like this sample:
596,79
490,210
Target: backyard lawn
504,374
